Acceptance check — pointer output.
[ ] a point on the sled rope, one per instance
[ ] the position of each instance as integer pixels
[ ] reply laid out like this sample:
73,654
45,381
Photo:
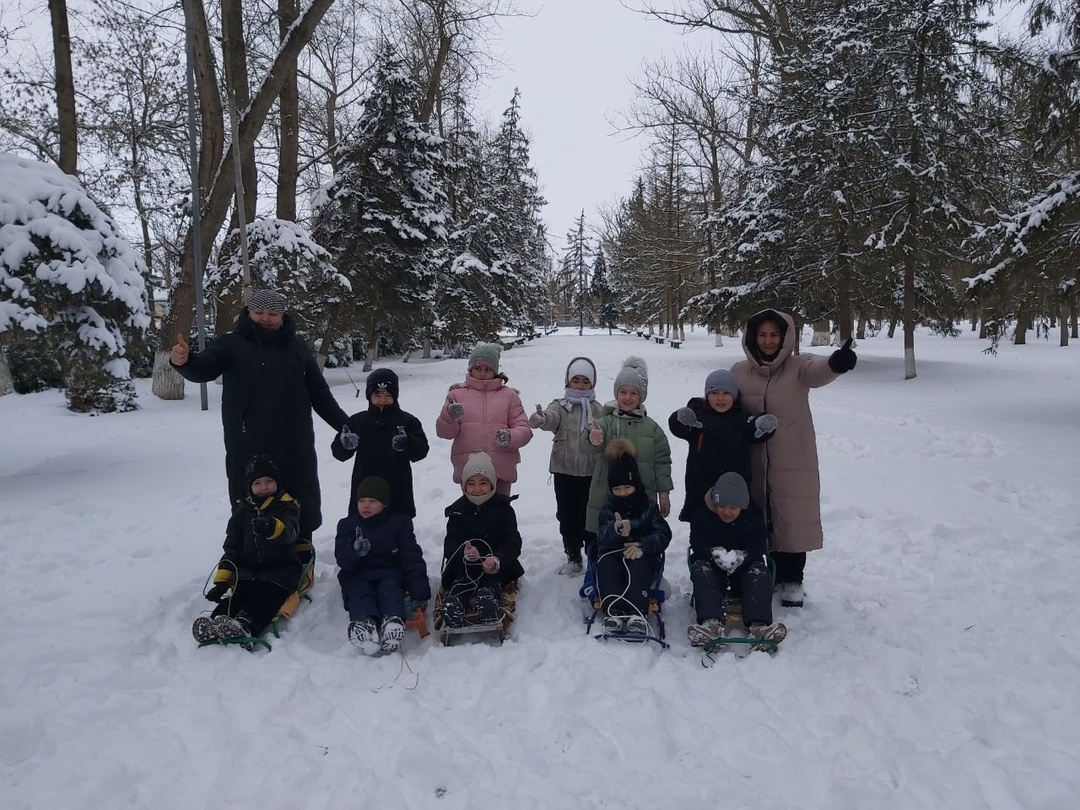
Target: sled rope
403,664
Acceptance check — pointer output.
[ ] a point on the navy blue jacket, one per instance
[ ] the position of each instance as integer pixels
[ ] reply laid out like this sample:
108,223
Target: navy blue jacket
393,548
746,533
649,529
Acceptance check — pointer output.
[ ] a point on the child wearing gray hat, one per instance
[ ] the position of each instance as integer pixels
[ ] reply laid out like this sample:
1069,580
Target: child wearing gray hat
728,543
719,433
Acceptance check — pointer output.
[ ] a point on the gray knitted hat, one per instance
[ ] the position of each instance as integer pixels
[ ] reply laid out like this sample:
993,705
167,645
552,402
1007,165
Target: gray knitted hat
634,374
722,380
478,464
730,490
268,300
486,354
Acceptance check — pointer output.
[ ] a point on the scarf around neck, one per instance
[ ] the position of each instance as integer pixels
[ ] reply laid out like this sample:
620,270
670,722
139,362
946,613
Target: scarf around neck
584,399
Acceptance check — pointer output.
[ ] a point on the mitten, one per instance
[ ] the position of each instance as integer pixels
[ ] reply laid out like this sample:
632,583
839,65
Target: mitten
766,423
491,564
686,416
843,359
502,438
349,440
400,442
536,420
728,560
471,553
632,551
455,409
216,593
664,502
361,545
262,526
622,526
414,605
596,434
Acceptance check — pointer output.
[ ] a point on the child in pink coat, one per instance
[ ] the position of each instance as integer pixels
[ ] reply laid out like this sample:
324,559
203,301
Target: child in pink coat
485,415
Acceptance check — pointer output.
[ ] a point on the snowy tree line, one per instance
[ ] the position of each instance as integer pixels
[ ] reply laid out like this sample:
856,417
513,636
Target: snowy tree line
339,159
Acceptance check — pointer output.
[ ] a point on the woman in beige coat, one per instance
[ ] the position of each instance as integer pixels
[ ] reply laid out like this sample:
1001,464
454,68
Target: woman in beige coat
786,485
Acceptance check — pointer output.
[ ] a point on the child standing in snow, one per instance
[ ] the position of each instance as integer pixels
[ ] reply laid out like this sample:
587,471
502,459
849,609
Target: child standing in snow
386,440
482,546
728,543
484,415
572,467
629,545
380,560
625,418
260,563
719,433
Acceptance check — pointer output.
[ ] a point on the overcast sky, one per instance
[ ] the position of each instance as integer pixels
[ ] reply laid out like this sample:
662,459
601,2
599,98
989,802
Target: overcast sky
574,62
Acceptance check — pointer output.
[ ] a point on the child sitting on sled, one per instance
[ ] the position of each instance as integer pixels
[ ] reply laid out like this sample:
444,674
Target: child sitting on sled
259,564
631,539
380,560
482,546
728,542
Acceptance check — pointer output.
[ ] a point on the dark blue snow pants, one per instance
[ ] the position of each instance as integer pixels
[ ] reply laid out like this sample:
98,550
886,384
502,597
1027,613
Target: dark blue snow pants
710,590
380,597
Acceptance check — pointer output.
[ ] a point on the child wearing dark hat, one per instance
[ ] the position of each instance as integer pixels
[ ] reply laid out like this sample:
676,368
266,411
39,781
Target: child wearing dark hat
633,535
719,433
728,542
380,561
625,418
571,466
385,440
482,546
260,567
485,415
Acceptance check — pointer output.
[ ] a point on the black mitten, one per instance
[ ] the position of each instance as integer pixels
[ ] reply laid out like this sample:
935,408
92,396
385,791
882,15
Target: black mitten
216,593
843,359
262,526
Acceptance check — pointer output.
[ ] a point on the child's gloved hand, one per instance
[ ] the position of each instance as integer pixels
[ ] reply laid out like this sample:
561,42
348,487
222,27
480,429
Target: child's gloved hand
766,423
843,359
361,545
491,564
455,409
400,442
262,526
622,526
349,440
536,420
728,560
217,593
502,438
596,434
686,416
664,502
471,552
414,605
632,551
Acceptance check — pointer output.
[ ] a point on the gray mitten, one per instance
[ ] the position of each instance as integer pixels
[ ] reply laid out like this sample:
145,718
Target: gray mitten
686,416
361,545
349,440
766,423
400,442
502,438
455,410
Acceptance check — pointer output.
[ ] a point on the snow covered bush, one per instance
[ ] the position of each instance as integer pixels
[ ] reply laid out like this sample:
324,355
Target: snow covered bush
70,282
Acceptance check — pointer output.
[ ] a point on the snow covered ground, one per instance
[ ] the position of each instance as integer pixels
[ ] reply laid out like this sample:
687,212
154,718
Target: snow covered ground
934,666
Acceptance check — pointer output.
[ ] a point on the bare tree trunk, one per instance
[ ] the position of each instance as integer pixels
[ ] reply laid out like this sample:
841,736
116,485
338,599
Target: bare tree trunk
66,124
289,129
821,334
1020,334
1075,320
6,384
372,353
1063,327
860,331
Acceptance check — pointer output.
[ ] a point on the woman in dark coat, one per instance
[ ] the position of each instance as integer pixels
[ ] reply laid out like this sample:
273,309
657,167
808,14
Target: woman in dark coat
271,383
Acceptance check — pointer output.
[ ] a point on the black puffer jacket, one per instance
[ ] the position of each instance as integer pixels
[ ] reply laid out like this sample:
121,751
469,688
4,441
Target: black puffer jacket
649,529
272,558
271,383
393,547
745,533
376,428
492,528
720,445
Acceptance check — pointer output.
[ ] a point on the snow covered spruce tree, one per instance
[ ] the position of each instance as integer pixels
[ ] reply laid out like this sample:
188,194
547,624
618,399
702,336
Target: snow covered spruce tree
382,213
70,283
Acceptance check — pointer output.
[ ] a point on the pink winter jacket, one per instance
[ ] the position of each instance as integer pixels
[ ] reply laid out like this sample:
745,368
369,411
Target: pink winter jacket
490,405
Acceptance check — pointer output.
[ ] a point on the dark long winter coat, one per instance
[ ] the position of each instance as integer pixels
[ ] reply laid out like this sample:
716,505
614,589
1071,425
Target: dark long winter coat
648,528
746,533
786,483
272,558
720,445
492,528
376,428
393,548
271,383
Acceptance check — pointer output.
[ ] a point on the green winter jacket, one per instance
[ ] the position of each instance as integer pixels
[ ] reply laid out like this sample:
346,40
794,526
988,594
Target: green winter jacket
653,456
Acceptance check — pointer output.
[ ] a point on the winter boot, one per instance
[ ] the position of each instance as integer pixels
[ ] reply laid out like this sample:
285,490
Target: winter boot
573,565
775,632
364,635
487,606
393,631
638,625
791,594
233,627
708,630
204,630
614,624
453,612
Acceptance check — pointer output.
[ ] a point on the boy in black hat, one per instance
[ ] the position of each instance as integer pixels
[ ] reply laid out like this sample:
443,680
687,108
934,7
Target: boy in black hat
631,539
385,440
380,560
260,564
728,542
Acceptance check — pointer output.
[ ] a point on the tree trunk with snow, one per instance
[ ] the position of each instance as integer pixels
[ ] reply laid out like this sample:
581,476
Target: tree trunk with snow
821,334
6,385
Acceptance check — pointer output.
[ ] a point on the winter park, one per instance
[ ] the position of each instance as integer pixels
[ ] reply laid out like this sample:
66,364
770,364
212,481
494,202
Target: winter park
472,404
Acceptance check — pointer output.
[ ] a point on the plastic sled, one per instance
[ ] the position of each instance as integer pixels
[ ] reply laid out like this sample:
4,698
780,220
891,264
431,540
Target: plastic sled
499,629
654,616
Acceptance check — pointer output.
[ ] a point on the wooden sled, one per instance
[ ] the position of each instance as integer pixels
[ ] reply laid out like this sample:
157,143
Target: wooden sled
473,626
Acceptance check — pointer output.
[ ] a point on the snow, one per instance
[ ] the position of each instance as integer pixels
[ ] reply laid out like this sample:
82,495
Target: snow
934,665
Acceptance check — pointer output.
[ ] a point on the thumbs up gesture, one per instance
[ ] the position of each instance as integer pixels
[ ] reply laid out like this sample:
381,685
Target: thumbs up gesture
536,420
178,354
596,434
843,359
622,525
